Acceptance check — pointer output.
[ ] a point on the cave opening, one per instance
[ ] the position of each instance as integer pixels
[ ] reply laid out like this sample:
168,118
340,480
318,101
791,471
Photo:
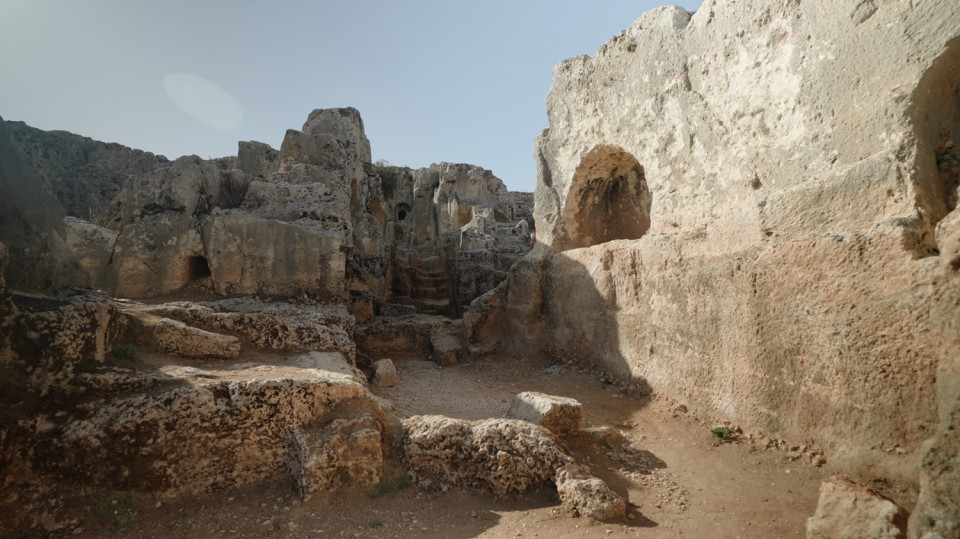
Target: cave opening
608,200
197,268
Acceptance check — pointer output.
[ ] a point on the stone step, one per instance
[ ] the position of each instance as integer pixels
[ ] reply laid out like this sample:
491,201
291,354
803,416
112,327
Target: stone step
431,293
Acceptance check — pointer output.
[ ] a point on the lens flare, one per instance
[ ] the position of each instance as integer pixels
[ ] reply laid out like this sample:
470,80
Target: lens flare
203,100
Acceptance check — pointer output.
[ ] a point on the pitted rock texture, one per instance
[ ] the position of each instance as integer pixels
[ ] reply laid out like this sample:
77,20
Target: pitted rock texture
433,238
505,456
211,435
847,510
784,167
271,325
186,341
346,454
560,415
584,495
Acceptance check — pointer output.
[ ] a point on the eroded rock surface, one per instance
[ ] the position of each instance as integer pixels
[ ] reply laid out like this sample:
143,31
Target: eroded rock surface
560,415
738,207
849,510
346,454
505,456
584,495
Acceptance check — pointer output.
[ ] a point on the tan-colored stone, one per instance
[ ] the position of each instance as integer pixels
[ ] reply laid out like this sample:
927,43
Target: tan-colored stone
506,456
560,415
847,510
347,454
584,495
185,341
384,373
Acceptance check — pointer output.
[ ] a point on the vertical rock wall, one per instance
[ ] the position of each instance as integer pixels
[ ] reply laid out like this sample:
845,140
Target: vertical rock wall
783,167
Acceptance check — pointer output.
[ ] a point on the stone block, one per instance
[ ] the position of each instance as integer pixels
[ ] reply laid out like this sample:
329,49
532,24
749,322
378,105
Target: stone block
560,415
584,495
384,373
345,454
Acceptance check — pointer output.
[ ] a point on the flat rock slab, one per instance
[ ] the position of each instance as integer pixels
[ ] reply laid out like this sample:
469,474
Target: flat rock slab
180,339
560,415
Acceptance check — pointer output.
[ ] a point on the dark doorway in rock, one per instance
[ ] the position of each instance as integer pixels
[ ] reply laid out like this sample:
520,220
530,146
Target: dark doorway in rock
608,200
402,211
197,268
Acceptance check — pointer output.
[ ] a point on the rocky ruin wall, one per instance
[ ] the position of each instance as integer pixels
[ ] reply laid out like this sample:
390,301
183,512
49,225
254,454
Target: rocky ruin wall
776,172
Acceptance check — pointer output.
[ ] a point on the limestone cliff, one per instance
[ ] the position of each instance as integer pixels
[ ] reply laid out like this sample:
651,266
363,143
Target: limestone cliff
313,219
82,173
740,208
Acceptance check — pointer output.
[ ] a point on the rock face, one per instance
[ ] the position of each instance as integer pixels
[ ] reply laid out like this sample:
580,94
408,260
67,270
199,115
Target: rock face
32,226
505,456
584,495
738,207
848,510
374,236
346,454
185,341
83,174
93,401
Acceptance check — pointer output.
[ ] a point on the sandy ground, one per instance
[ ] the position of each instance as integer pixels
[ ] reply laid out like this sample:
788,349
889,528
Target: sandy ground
688,485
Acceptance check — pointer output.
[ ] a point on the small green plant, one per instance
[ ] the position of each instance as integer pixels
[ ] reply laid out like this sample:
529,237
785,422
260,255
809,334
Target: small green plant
725,434
114,506
375,523
389,487
127,352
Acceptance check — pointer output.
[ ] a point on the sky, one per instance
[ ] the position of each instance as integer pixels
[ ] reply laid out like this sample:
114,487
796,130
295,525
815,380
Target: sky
434,81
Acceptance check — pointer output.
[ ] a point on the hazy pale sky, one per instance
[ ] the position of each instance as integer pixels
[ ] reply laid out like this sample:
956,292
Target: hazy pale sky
434,80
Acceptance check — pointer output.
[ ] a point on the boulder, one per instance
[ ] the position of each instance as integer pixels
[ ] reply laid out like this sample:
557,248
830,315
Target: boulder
346,454
560,415
505,456
182,340
584,495
849,510
93,246
384,373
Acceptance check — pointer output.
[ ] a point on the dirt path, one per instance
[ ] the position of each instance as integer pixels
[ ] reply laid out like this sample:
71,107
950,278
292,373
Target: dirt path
694,488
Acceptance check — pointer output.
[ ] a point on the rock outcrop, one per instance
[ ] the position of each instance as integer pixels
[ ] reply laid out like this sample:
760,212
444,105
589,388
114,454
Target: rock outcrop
98,395
83,174
738,207
432,239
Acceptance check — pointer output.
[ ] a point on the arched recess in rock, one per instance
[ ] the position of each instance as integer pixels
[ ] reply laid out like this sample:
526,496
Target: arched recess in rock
936,119
608,199
195,268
